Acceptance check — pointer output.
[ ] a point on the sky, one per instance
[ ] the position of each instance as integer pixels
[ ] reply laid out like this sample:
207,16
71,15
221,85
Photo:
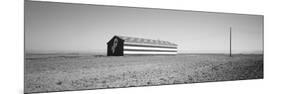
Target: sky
60,27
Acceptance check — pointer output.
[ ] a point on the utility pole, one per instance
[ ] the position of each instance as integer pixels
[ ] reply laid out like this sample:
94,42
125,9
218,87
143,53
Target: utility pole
230,42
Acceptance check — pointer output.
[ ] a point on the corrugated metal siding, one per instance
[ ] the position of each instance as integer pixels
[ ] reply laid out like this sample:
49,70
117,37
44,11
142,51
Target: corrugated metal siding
147,46
147,41
152,53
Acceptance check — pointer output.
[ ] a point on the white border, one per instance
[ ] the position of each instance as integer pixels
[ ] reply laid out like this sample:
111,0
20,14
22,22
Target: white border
12,46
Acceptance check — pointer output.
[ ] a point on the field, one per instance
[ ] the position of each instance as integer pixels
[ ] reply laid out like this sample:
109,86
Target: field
60,72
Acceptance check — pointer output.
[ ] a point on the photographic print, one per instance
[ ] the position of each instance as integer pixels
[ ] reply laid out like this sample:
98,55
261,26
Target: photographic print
85,46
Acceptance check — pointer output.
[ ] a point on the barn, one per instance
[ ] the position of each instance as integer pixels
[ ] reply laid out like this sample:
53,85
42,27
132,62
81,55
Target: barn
123,45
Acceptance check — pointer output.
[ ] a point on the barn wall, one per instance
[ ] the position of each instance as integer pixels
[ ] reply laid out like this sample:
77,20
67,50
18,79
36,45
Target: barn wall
118,51
138,48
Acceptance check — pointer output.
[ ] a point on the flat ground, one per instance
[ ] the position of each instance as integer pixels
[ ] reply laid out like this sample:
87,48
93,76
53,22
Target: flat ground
59,72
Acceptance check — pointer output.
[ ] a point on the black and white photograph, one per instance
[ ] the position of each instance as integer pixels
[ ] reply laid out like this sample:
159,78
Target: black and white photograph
72,46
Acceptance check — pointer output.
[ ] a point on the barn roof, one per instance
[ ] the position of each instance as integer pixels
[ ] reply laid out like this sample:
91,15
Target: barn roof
145,41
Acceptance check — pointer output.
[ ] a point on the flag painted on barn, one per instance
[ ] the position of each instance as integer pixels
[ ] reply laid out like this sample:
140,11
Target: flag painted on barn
123,45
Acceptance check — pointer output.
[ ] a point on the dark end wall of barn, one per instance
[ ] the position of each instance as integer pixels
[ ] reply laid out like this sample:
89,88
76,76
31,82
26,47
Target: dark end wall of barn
115,48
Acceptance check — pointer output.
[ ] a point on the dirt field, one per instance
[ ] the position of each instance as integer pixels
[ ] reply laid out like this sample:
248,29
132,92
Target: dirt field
60,72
